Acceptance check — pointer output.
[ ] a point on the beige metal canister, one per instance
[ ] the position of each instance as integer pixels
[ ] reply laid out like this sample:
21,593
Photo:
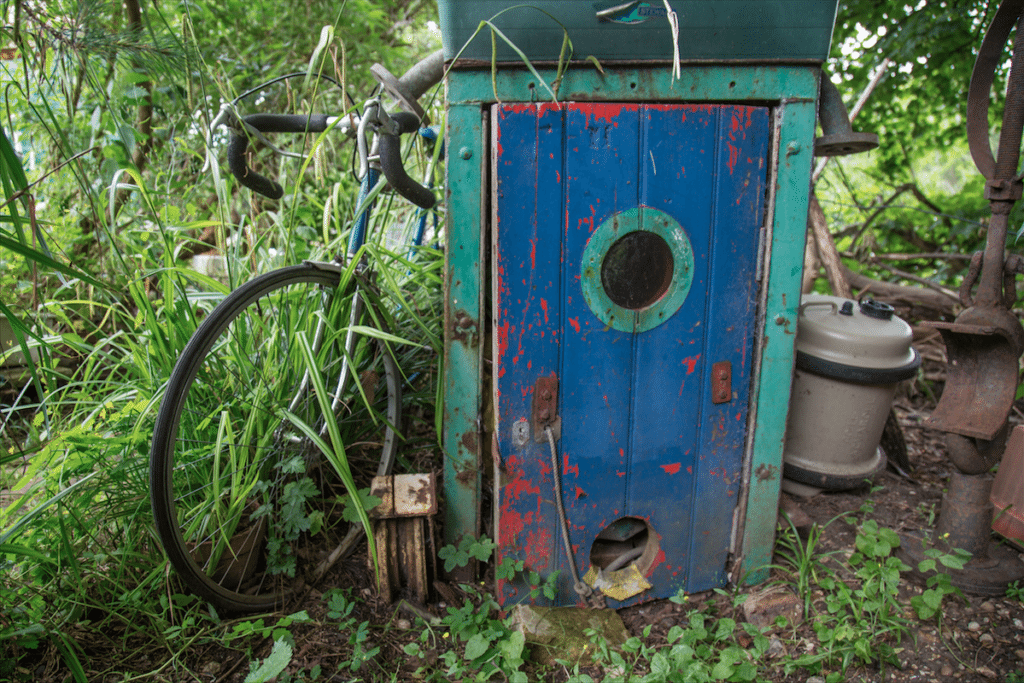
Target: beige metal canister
849,357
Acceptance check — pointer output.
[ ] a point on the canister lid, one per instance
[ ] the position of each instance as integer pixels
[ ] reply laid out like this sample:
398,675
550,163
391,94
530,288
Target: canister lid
853,334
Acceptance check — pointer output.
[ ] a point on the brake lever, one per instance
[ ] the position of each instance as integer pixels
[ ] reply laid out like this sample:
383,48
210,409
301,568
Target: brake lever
227,112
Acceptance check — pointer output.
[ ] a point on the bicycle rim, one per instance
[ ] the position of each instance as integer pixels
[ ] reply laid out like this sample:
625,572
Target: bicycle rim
241,484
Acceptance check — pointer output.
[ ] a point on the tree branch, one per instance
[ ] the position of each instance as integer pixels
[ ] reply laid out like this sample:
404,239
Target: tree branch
923,303
920,280
144,118
827,251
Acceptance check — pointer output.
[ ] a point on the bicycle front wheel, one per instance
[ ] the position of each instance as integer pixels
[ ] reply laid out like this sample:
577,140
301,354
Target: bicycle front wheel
243,470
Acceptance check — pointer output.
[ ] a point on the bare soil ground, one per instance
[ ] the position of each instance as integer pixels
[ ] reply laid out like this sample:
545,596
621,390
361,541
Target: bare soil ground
976,639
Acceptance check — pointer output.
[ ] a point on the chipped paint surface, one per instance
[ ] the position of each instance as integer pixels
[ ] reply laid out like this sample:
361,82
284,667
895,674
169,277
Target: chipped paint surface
640,435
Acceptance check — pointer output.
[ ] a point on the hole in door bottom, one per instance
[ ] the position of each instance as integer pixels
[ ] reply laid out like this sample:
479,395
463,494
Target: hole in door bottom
626,541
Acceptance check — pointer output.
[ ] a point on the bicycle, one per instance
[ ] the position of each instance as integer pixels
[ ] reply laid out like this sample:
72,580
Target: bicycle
250,418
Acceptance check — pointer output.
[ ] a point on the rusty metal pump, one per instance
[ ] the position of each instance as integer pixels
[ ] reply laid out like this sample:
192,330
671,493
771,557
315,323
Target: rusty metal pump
985,342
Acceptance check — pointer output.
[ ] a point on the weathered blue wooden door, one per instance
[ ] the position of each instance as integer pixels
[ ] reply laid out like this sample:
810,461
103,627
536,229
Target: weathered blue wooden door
625,243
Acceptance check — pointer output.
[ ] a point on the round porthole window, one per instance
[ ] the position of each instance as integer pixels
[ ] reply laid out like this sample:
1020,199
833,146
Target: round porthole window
637,269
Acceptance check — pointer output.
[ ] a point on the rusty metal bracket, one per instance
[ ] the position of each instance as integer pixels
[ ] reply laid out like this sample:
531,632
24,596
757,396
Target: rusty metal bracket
1002,190
721,382
544,412
401,533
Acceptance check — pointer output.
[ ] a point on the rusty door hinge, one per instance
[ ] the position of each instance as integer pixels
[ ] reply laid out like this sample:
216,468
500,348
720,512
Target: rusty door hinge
721,382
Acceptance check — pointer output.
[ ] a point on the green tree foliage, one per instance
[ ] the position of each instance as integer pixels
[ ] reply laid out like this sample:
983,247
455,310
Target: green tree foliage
920,104
110,89
919,192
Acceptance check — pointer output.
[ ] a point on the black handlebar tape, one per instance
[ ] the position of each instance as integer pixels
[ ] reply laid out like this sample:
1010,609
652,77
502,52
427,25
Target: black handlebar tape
391,163
268,123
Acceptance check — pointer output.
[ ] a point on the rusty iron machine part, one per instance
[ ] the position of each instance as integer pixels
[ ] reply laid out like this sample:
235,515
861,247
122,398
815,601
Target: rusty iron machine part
838,137
416,81
985,342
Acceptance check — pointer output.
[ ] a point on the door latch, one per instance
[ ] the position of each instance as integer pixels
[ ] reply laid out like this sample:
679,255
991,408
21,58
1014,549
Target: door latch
545,409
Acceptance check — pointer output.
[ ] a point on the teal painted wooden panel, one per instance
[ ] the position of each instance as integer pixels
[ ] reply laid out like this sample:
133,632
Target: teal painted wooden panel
464,329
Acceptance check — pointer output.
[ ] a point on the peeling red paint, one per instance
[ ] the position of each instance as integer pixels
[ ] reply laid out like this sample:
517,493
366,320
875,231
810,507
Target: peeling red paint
689,469
519,484
566,469
607,111
544,307
538,548
691,363
734,155
512,524
580,493
575,322
672,468
658,559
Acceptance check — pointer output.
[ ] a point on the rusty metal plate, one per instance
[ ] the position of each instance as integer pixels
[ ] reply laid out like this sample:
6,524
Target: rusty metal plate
981,381
404,495
545,405
721,382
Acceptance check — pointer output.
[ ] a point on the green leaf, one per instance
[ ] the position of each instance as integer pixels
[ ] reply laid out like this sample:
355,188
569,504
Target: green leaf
280,657
513,646
722,671
954,561
477,647
660,664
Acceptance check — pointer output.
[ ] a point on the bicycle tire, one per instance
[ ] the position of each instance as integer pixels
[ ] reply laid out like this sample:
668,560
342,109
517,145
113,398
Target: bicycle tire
227,464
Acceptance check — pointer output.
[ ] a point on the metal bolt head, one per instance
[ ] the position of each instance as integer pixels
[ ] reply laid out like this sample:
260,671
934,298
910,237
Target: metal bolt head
466,153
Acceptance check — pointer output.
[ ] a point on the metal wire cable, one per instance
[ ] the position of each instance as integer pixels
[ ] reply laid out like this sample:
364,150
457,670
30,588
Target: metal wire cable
581,588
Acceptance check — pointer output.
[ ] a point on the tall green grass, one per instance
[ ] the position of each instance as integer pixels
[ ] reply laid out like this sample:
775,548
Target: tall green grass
78,558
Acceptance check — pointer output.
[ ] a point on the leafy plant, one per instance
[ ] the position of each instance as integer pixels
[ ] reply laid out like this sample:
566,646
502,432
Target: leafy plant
469,548
704,650
862,617
928,604
279,631
803,559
